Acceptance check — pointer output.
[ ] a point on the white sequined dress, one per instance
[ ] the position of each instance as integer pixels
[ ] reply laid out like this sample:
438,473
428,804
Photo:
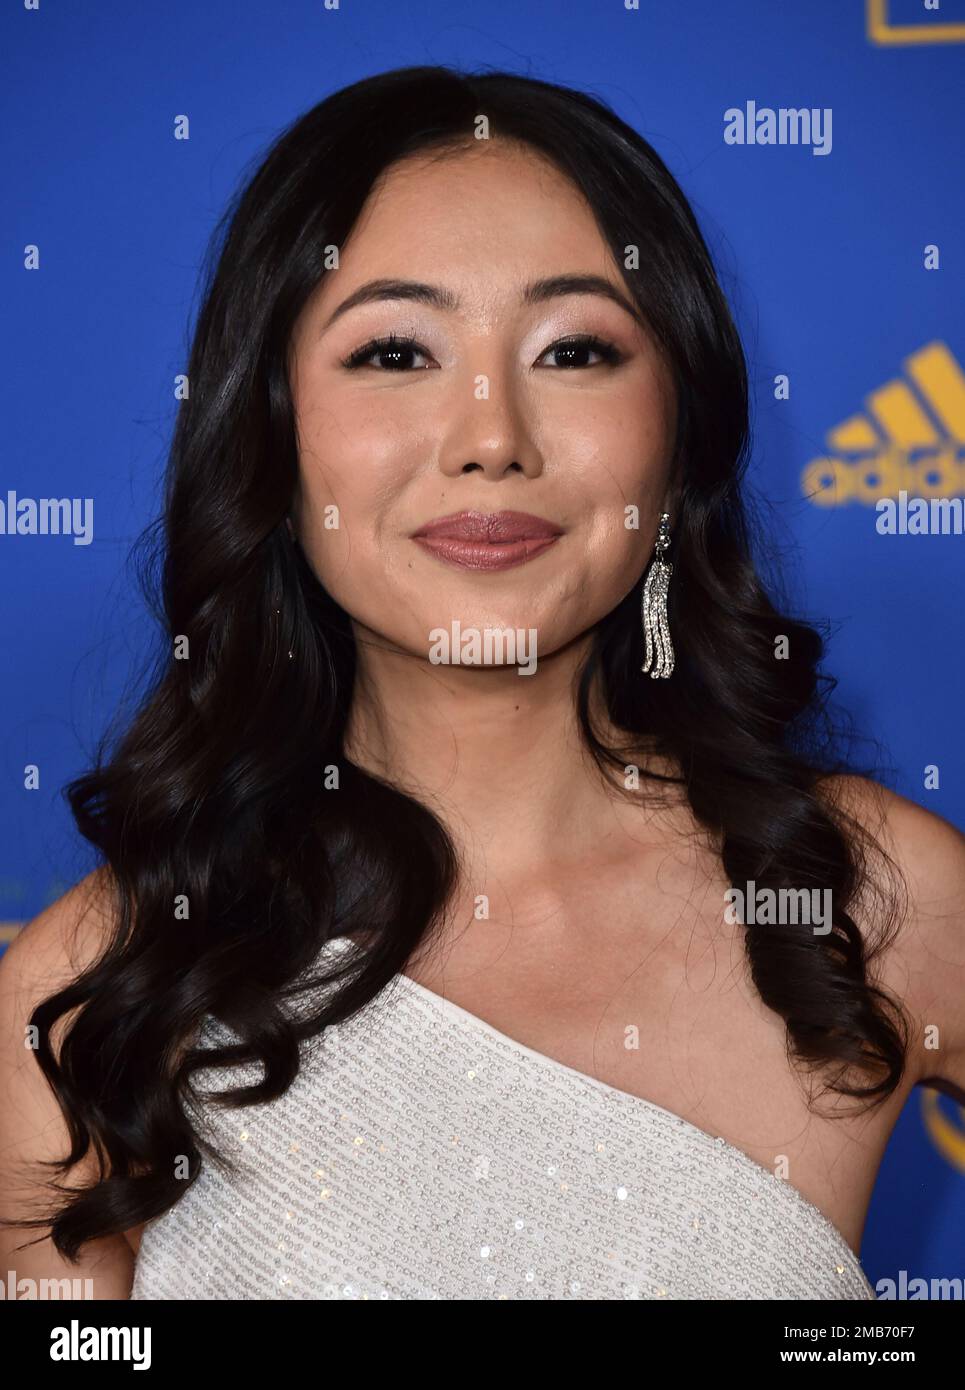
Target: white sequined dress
422,1154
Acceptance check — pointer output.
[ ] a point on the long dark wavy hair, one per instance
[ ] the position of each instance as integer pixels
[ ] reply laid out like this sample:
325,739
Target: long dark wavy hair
215,793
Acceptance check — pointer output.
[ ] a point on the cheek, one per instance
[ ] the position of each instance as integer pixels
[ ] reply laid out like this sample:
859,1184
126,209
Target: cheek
615,456
357,461
352,469
615,461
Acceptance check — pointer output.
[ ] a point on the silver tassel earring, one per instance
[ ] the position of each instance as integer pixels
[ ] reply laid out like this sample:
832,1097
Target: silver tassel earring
655,626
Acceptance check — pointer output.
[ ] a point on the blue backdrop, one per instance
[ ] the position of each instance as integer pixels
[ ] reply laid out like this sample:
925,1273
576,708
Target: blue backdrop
821,144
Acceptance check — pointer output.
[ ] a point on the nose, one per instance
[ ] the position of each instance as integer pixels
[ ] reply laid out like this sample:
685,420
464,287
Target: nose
488,433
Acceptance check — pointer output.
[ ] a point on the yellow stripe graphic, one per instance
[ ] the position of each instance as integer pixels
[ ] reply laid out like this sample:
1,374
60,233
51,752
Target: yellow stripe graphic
854,436
901,418
948,1137
939,379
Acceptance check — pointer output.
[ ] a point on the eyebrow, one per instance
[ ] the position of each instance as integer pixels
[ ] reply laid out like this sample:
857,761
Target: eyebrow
554,287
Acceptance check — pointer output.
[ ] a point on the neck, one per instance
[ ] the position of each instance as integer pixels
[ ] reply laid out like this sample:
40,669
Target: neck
498,756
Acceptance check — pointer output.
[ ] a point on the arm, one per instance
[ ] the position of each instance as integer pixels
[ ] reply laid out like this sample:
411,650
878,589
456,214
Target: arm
925,964
45,955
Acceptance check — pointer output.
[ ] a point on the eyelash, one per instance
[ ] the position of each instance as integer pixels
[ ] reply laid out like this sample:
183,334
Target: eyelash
611,355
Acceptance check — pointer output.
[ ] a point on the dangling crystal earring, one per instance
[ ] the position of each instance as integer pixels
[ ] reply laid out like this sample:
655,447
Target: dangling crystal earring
655,627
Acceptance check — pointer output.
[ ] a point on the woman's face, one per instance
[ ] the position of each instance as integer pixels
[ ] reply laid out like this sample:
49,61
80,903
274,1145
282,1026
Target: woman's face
493,410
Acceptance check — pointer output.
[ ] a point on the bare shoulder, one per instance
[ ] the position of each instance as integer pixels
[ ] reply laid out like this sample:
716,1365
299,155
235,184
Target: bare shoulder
49,952
926,961
64,939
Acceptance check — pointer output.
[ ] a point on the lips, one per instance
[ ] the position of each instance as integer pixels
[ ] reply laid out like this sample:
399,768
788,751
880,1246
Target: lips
492,527
487,540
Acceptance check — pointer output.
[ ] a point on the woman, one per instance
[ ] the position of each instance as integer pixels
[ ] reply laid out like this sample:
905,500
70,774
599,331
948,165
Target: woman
472,711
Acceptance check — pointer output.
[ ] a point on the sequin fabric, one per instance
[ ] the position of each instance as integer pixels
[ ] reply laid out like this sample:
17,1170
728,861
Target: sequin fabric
421,1154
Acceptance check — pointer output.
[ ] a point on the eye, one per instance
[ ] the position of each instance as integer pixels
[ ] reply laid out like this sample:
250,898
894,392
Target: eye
396,351
573,351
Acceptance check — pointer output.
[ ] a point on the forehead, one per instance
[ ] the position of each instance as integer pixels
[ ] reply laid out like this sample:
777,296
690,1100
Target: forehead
492,214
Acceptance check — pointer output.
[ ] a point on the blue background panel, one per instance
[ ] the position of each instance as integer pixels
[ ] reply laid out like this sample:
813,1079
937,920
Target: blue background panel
823,256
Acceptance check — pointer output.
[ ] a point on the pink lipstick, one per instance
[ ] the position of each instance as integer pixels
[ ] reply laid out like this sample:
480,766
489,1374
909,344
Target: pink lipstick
487,540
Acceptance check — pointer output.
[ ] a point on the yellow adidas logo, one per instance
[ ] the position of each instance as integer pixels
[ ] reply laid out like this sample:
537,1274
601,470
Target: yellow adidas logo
912,438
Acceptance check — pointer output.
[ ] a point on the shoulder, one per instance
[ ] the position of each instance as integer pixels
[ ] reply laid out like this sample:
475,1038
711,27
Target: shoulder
925,963
49,952
929,850
55,947
64,939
